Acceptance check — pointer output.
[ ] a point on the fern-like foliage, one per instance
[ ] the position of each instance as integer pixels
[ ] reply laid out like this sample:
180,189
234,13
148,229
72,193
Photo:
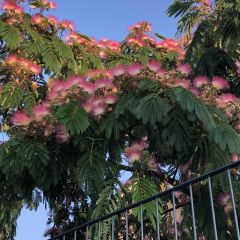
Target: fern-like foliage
184,10
19,154
91,171
10,34
142,188
191,104
11,96
152,109
73,117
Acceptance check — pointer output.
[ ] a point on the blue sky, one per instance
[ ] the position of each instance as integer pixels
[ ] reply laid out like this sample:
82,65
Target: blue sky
105,18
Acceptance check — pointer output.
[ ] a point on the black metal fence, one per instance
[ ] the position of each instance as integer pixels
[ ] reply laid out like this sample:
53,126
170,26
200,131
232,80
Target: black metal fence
85,231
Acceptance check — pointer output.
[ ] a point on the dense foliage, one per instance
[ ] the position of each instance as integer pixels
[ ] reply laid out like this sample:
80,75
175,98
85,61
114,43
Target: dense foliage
77,113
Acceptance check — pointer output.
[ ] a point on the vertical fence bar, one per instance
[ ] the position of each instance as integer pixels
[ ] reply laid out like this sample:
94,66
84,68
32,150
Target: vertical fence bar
126,216
99,230
233,204
64,237
75,235
112,235
212,208
142,232
174,217
157,217
193,213
86,233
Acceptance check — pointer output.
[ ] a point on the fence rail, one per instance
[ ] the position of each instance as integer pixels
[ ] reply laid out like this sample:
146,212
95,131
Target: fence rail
84,228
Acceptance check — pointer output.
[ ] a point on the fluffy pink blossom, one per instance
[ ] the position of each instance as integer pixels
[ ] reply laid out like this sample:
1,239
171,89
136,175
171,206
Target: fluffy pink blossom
11,59
52,95
223,199
53,20
184,68
118,70
62,134
183,83
87,87
99,109
103,54
52,5
136,41
25,63
168,43
20,118
154,65
226,98
68,25
103,83
40,111
110,99
97,100
199,81
88,106
37,18
58,85
219,82
234,158
134,69
10,5
154,165
140,27
134,152
35,69
161,72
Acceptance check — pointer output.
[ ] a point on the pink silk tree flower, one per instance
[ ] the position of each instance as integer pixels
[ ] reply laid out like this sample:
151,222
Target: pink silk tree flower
88,106
20,118
154,66
35,69
234,158
40,111
132,154
53,20
103,83
52,5
118,70
223,198
99,109
184,68
134,69
37,18
199,81
62,134
226,98
220,83
12,6
110,99
182,83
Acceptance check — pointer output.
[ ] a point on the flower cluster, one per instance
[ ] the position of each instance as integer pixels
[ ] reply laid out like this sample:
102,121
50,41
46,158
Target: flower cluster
135,151
172,45
66,25
75,38
49,4
11,6
140,27
97,90
17,63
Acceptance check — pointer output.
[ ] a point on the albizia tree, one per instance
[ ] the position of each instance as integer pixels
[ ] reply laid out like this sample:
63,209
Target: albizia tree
77,112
